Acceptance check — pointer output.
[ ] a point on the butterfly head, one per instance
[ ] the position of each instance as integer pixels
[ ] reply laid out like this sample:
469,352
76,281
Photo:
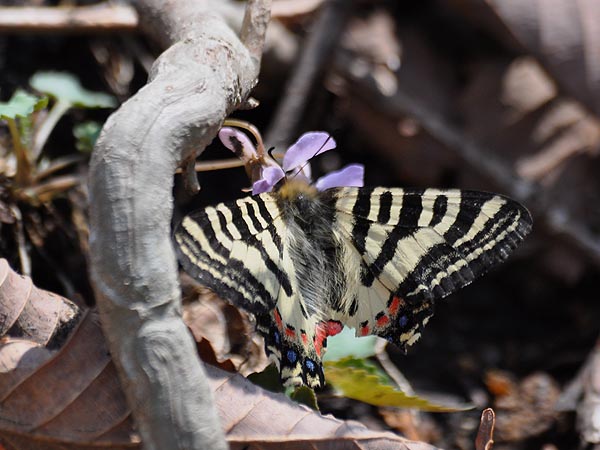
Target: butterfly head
296,188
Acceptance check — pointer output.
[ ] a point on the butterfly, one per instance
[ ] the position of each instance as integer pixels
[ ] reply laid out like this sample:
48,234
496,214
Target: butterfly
306,262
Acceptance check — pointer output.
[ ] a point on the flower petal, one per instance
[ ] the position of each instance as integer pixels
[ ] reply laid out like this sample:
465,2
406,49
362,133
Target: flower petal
270,177
239,143
309,145
303,172
351,175
260,187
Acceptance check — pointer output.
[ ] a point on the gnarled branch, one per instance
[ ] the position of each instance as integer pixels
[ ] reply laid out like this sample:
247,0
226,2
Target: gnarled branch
204,74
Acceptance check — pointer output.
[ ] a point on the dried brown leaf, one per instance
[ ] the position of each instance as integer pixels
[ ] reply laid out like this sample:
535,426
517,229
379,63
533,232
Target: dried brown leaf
524,408
72,398
588,411
296,426
224,334
514,108
583,395
412,424
18,359
564,36
31,313
374,39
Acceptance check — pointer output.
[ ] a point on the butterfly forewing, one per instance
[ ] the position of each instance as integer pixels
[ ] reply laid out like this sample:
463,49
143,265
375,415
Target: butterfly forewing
421,245
234,249
241,250
371,258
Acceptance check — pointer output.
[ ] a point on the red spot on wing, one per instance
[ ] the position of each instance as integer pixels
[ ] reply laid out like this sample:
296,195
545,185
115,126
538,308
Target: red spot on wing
290,332
277,317
334,327
395,305
304,338
323,330
364,330
383,321
320,336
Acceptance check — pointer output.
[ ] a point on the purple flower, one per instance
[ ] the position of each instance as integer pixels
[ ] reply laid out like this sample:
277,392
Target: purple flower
266,173
351,175
270,177
308,146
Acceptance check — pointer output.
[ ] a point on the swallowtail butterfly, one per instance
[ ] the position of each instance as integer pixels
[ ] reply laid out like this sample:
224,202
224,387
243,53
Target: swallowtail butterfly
306,262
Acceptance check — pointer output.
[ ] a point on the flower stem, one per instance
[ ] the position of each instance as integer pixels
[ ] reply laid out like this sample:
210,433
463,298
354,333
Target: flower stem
23,176
260,146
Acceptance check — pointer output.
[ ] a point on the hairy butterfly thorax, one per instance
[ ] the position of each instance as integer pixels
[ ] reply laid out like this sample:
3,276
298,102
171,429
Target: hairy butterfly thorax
307,259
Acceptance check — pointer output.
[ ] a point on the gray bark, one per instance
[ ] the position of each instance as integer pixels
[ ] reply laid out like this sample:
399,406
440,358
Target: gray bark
206,72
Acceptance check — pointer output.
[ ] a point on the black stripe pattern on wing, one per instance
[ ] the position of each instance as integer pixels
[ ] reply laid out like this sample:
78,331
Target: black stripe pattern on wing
444,266
204,256
423,246
272,230
447,267
407,223
362,207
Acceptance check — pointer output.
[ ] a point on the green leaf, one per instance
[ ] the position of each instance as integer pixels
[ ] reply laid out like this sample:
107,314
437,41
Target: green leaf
362,380
65,87
267,379
347,344
21,104
306,396
86,134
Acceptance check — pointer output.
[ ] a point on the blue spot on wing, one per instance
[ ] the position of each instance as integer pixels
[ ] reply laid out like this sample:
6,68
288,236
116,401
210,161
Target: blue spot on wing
402,321
292,356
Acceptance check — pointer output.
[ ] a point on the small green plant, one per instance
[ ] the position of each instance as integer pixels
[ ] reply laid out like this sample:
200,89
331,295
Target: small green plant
352,374
28,178
17,113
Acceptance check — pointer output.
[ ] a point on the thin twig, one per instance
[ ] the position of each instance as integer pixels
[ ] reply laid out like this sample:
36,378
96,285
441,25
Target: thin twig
80,19
46,191
391,369
317,50
58,164
21,244
485,434
219,164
